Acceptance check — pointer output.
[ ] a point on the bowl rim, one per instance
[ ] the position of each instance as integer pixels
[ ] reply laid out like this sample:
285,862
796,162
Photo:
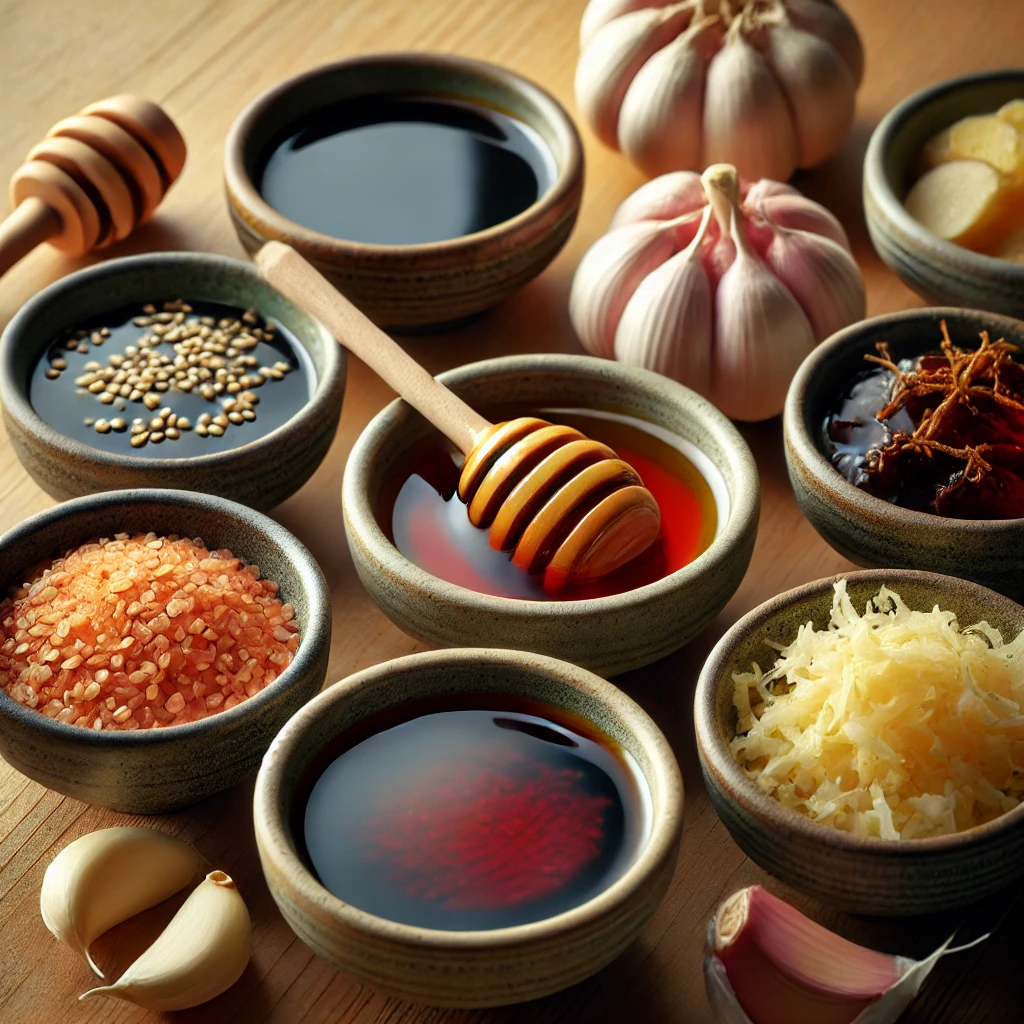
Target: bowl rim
274,835
800,444
744,505
770,813
14,393
308,571
876,183
242,190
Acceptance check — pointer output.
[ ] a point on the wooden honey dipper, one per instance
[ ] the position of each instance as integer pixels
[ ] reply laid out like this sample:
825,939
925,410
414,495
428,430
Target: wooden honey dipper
93,179
561,503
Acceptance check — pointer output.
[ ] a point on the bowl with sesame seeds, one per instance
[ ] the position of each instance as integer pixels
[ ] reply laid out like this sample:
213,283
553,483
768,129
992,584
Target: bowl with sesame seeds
179,370
152,644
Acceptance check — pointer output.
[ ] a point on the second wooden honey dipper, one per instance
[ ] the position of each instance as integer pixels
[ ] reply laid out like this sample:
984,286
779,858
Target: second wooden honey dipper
562,504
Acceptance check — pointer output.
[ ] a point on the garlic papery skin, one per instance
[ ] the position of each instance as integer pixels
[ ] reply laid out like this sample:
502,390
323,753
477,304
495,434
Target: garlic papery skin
713,291
767,85
766,963
200,954
107,876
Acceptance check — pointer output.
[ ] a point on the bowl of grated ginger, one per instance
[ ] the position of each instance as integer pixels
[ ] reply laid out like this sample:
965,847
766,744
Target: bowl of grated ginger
862,738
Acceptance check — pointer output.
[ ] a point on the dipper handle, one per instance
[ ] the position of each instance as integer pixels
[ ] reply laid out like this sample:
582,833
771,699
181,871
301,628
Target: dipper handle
281,266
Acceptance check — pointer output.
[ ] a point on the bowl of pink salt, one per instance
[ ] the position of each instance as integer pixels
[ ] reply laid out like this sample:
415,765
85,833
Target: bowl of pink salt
152,643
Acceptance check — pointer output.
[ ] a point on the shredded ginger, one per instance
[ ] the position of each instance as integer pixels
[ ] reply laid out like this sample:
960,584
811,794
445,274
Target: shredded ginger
895,723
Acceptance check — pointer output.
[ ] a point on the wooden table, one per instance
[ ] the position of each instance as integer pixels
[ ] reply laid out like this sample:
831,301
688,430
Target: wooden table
204,59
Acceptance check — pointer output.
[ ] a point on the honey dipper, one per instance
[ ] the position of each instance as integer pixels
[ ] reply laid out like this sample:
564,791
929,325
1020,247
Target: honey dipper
93,179
561,503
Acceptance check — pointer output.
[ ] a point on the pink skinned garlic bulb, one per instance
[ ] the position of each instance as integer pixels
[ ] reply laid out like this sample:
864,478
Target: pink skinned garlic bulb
722,287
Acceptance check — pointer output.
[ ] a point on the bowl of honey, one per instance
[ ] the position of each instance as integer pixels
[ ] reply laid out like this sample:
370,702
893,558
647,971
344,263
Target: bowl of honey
904,440
181,370
469,828
436,576
426,187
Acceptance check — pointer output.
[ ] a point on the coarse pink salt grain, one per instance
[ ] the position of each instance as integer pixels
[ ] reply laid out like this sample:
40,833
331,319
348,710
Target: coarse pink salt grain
142,632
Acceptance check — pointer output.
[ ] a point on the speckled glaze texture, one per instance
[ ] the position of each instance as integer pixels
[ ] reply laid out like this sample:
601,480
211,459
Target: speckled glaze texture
482,968
158,770
937,270
609,634
411,287
863,875
866,529
260,474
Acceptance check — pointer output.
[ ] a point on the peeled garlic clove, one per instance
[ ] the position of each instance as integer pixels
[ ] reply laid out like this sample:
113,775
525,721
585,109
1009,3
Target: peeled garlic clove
766,963
818,87
599,12
109,875
988,137
661,118
608,275
615,54
823,278
662,198
200,954
746,118
829,22
959,201
666,326
1013,113
801,214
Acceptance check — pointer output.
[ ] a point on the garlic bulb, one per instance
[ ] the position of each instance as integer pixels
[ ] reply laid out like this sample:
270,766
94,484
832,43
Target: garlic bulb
725,289
767,85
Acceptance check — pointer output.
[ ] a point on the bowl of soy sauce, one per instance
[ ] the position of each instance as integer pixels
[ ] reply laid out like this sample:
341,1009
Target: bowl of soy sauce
427,187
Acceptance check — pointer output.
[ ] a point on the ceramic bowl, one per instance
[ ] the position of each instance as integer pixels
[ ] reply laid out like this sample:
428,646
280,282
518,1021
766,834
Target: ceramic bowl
865,875
158,770
866,529
937,270
411,286
260,474
606,634
469,968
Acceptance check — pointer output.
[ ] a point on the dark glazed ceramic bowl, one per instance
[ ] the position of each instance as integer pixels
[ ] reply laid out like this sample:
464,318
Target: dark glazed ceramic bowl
605,634
866,529
260,474
407,287
937,270
863,875
468,968
158,770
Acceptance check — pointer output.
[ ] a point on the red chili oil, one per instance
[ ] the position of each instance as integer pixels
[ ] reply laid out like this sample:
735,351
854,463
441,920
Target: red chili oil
479,817
429,524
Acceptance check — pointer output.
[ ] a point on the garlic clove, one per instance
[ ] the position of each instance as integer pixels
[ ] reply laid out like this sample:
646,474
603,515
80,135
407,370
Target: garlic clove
766,963
823,277
766,187
829,22
960,201
616,53
667,324
200,954
599,12
662,198
660,121
801,214
107,876
608,275
746,119
818,87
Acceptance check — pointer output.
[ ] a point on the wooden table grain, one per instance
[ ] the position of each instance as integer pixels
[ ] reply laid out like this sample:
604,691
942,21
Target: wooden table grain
204,59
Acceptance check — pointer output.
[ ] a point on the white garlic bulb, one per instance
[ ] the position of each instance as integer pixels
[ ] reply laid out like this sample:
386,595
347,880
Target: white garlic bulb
766,85
721,287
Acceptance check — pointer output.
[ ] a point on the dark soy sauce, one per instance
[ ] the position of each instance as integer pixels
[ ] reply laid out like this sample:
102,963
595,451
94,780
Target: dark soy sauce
476,819
395,170
65,406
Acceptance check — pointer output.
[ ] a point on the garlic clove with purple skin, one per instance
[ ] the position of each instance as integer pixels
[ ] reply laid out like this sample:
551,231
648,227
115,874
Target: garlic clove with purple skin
798,213
663,198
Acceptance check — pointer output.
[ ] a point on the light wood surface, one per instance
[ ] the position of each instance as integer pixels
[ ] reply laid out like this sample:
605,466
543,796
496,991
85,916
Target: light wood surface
204,59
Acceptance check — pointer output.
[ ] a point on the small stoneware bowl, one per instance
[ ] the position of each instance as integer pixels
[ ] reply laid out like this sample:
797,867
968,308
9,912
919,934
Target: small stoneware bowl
411,286
156,770
606,634
937,270
865,875
866,529
468,968
261,473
